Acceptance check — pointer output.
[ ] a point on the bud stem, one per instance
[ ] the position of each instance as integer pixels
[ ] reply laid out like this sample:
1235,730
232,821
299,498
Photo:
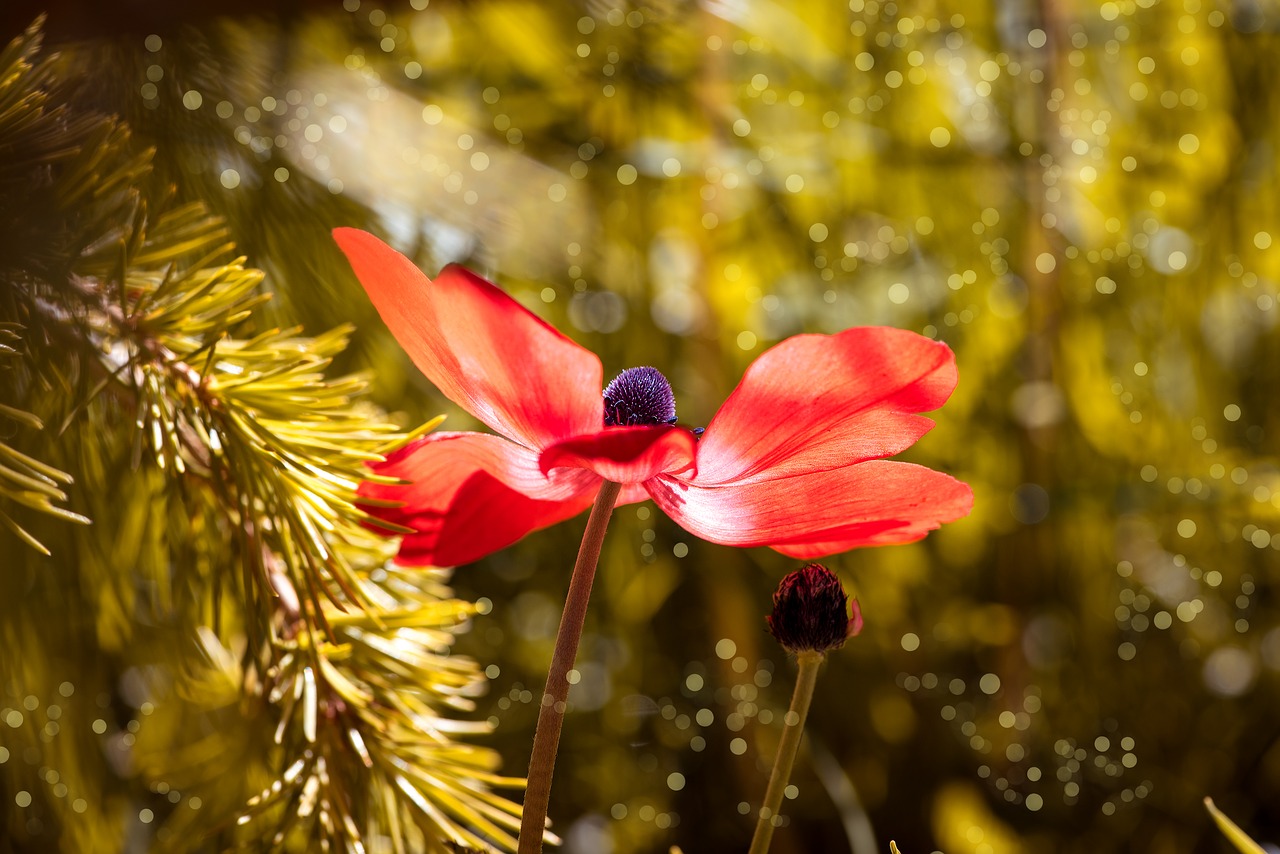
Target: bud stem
546,737
806,679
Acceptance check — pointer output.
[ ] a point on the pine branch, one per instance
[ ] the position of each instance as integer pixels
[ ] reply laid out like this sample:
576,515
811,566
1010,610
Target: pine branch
249,458
379,689
31,141
25,480
284,448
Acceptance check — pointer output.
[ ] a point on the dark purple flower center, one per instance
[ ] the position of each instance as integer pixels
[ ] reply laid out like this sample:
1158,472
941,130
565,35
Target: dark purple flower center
639,396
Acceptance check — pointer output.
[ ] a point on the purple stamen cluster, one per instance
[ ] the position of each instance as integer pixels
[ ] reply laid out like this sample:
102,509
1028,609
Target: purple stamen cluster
811,611
639,396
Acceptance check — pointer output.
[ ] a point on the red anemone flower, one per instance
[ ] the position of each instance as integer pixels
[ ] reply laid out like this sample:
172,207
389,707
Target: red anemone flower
793,459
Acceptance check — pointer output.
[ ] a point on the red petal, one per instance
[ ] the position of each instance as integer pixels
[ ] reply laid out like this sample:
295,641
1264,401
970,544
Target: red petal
472,494
632,493
821,512
817,402
625,454
481,348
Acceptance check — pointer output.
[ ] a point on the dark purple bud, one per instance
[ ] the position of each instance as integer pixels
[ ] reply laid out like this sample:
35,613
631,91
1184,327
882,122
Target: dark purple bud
639,396
811,611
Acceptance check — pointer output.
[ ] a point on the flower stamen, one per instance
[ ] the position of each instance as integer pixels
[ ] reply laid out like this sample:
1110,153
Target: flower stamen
639,396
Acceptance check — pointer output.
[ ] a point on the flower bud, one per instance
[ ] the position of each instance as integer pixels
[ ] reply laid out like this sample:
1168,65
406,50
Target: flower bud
811,611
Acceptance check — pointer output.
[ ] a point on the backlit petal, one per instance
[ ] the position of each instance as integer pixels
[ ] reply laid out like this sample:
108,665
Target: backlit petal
817,402
472,494
625,454
481,348
632,493
818,513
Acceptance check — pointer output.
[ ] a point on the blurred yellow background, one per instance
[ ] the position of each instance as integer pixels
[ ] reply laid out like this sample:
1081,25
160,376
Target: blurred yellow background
1080,198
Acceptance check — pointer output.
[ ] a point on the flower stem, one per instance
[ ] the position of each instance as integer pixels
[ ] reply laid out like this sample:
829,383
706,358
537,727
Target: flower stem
546,738
809,662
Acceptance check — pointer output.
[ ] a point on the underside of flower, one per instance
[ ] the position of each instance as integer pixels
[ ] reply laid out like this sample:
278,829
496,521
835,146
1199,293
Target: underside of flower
639,396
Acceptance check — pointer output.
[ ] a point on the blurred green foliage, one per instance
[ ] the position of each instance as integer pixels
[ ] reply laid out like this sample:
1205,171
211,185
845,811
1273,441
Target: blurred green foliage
1080,198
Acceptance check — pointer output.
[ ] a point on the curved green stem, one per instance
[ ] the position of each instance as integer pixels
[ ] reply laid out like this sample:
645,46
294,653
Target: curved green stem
800,699
546,738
